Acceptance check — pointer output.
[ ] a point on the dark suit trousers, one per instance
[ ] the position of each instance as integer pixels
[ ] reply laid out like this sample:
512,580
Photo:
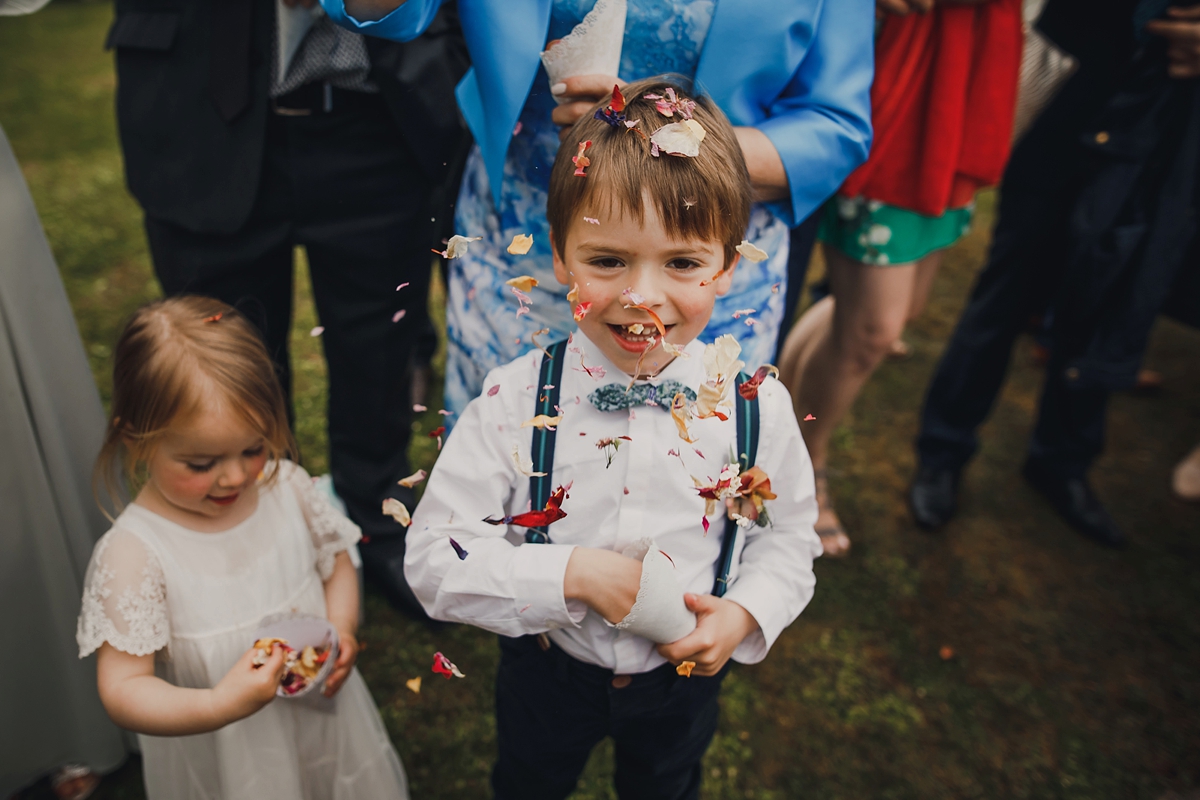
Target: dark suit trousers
344,186
1023,273
552,710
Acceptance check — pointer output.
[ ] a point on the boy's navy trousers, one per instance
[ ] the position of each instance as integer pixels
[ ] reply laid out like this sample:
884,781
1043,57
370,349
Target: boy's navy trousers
552,710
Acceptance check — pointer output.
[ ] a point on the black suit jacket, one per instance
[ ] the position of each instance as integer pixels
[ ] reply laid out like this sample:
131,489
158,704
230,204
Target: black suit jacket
188,166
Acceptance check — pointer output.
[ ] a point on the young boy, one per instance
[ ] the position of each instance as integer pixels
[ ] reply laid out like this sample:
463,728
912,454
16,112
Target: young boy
645,240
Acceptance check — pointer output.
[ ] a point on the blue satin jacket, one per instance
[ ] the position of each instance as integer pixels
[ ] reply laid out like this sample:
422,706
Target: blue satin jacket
798,70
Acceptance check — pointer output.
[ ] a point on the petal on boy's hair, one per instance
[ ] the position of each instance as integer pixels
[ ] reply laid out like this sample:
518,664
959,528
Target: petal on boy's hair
680,138
396,510
522,283
751,253
519,246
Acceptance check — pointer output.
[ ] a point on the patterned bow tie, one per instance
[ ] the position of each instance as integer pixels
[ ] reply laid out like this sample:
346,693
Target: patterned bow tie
614,397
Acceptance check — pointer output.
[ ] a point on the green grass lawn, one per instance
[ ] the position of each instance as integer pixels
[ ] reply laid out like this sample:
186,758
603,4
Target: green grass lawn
1075,670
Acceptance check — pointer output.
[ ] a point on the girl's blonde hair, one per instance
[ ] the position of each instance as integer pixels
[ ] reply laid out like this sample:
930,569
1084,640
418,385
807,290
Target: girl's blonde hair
170,360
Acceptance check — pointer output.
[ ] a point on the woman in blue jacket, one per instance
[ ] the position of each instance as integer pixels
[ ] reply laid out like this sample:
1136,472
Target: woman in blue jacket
793,75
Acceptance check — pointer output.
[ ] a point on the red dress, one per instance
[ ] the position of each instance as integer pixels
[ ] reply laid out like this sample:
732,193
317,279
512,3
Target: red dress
942,105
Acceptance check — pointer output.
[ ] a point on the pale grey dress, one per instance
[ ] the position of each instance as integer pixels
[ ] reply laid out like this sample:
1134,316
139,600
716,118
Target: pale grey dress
51,425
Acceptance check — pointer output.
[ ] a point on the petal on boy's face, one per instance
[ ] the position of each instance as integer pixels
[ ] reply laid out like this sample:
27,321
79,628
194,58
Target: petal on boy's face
676,278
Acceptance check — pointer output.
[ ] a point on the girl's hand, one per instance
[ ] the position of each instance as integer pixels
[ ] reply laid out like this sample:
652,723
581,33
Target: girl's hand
347,655
246,688
721,625
581,92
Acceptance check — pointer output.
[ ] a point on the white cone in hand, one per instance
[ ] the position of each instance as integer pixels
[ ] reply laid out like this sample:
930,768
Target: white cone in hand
659,613
593,47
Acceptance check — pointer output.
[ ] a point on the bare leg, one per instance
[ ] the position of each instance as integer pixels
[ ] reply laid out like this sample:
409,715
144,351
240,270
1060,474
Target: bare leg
835,353
927,268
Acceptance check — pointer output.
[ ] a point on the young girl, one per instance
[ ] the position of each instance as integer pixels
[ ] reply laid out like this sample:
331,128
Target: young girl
223,532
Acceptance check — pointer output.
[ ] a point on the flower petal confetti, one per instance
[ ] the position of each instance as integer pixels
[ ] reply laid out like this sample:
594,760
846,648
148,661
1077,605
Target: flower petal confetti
492,391
614,112
809,417
414,684
685,668
401,286
581,161
678,139
520,245
444,666
679,413
414,479
670,105
458,548
704,522
750,252
457,246
399,315
591,220
536,519
317,331
524,465
744,312
396,510
417,407
581,311
522,282
749,389
775,288
533,338
543,421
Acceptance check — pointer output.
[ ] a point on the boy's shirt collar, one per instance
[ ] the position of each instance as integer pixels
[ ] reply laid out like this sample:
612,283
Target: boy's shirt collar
688,371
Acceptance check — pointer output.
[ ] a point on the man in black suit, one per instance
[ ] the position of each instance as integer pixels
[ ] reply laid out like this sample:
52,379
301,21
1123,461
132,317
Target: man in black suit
1095,220
252,126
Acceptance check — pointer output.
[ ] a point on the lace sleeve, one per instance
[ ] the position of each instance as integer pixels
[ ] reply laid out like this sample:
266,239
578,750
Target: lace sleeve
331,530
124,598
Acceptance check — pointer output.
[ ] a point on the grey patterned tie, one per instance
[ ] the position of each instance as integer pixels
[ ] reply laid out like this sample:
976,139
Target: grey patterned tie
614,396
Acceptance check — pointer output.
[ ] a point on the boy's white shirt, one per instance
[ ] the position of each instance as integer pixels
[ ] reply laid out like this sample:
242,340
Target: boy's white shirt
510,588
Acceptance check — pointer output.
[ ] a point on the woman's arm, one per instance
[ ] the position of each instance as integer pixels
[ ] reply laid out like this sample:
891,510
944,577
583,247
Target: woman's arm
139,701
341,606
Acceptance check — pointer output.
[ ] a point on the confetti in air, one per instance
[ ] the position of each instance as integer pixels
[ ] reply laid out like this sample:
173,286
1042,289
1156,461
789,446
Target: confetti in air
317,331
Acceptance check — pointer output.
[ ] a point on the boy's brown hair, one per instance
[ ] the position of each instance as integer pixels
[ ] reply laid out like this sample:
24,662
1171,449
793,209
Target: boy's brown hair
175,356
706,197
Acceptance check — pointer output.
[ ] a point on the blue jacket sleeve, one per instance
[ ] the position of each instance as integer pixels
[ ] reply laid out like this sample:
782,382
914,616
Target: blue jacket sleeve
821,124
404,24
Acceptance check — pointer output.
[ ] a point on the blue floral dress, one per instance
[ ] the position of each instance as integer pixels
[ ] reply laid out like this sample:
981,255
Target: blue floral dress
661,36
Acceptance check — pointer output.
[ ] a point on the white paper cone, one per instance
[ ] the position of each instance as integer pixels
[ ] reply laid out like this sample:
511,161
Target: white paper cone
301,631
659,613
593,47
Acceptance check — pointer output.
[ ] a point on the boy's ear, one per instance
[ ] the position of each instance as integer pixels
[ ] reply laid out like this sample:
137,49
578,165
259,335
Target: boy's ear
725,280
560,269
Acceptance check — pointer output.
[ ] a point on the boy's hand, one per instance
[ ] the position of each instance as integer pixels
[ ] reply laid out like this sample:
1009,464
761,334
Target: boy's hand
347,655
247,688
721,625
581,93
606,581
1182,32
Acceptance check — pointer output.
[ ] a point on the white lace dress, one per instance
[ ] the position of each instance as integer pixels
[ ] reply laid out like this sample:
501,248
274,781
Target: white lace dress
195,599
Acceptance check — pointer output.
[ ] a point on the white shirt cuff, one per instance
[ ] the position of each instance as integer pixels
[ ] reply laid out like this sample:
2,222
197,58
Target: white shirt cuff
538,571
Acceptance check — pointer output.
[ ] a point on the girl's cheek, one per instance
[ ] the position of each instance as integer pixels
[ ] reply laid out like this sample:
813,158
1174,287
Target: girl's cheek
256,465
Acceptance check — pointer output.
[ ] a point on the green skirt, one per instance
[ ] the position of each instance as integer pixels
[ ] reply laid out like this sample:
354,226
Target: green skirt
872,232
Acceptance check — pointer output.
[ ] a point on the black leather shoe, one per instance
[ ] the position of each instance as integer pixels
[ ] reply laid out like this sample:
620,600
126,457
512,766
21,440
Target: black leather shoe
933,497
1075,502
